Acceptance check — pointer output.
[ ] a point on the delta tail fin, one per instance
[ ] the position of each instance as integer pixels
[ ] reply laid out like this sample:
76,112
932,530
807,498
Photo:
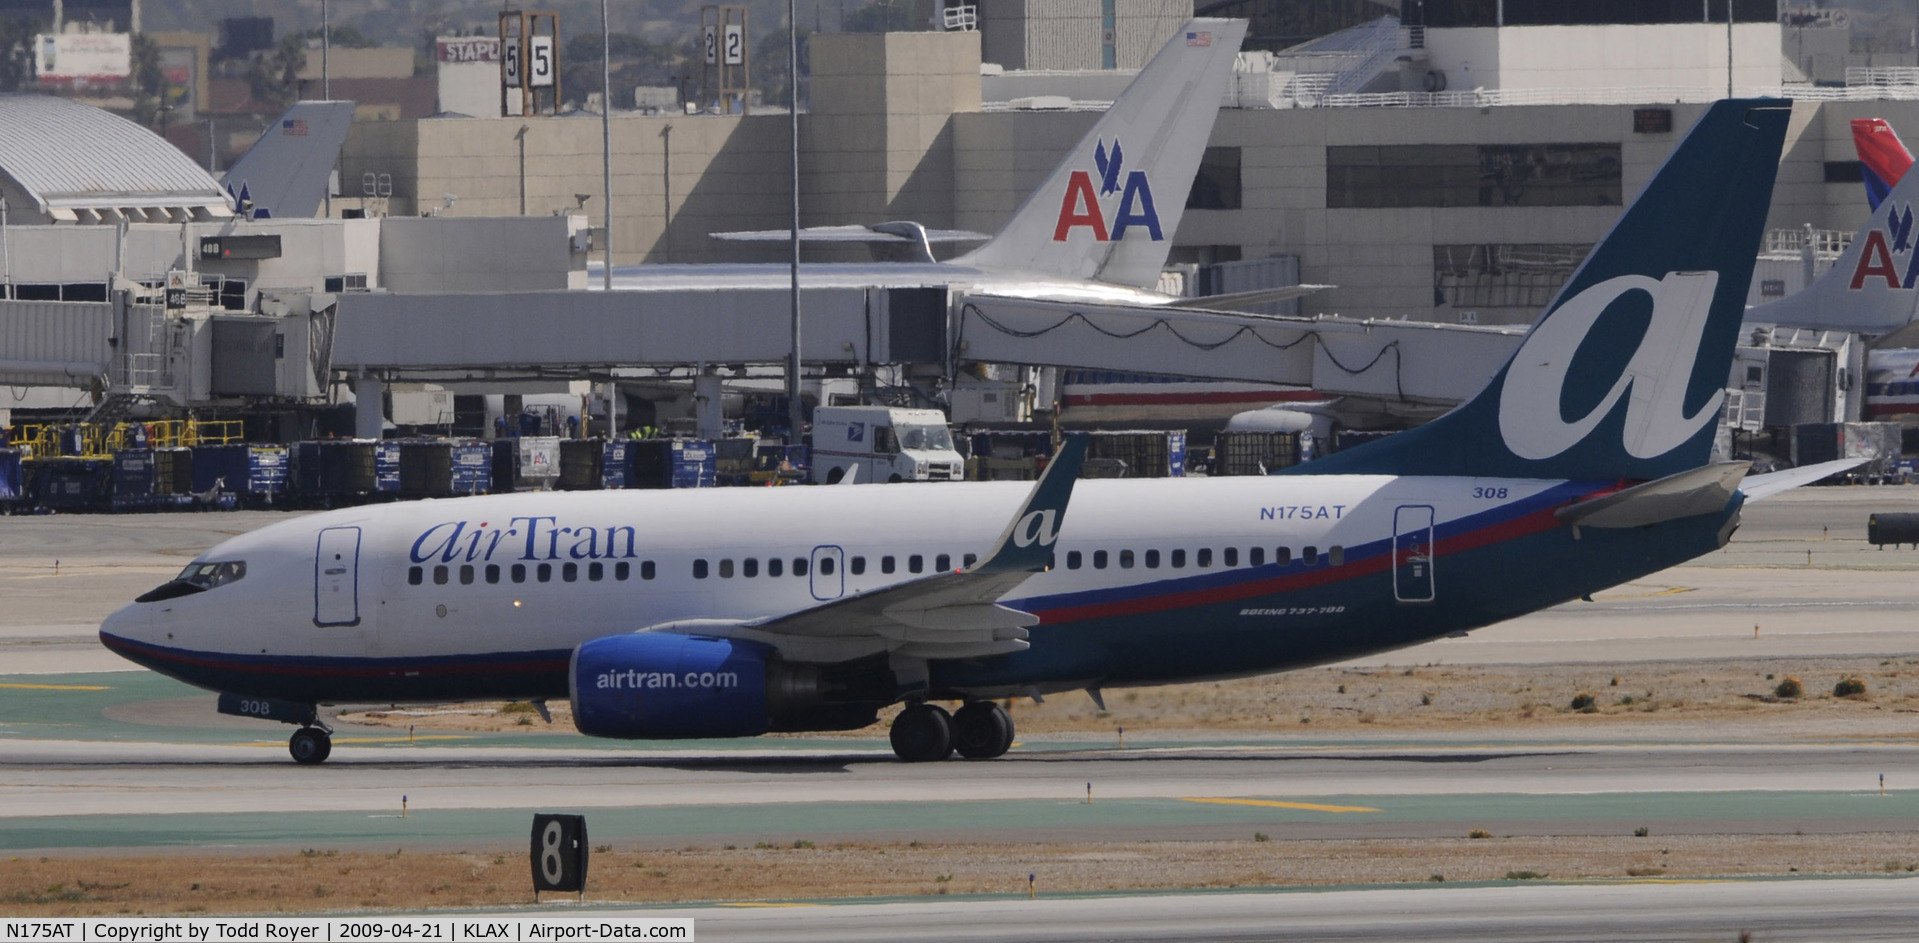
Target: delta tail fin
1109,210
1882,158
1870,289
1624,375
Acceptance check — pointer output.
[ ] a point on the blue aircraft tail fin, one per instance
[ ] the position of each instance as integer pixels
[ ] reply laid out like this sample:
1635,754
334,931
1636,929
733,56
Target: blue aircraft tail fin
1625,373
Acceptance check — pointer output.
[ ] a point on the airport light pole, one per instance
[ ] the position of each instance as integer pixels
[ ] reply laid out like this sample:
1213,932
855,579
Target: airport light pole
326,42
794,415
606,145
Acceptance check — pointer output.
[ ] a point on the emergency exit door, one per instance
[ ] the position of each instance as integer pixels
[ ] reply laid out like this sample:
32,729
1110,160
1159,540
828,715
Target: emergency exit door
336,577
1413,553
828,580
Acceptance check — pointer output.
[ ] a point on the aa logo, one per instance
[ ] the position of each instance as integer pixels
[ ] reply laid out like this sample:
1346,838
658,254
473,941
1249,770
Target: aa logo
1081,207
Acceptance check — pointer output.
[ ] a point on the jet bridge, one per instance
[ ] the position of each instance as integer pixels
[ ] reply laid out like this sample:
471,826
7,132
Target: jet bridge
1407,361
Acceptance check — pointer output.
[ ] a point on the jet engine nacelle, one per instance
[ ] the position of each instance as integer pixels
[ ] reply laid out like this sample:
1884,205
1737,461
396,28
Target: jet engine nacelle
666,686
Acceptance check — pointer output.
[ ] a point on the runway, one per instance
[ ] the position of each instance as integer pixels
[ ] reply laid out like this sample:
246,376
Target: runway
1772,911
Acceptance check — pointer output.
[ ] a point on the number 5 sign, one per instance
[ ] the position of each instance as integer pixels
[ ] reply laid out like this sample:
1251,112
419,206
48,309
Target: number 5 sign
539,52
559,853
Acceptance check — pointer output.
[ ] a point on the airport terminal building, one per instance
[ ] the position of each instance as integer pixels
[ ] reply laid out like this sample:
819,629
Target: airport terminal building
1456,170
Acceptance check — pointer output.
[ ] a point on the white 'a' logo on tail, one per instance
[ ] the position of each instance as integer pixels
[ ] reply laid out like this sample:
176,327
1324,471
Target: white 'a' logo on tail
1657,374
1039,527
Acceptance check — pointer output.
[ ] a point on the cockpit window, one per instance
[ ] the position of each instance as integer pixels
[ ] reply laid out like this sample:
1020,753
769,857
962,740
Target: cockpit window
196,578
212,575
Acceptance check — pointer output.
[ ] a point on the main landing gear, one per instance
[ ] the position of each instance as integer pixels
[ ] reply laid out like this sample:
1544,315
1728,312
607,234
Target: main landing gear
925,732
311,746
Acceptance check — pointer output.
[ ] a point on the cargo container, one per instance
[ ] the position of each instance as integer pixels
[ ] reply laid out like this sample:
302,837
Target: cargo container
386,467
12,480
426,469
616,463
674,463
581,464
505,463
256,473
472,468
1146,453
1878,442
334,470
69,484
1254,453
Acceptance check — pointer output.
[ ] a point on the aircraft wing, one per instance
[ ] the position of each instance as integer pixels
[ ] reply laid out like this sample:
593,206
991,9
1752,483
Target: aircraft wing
955,614
1764,486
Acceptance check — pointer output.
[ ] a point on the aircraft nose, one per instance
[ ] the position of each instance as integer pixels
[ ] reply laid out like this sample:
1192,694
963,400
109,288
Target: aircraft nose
131,623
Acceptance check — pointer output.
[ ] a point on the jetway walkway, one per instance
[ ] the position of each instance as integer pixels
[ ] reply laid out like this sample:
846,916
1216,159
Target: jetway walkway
592,334
1410,361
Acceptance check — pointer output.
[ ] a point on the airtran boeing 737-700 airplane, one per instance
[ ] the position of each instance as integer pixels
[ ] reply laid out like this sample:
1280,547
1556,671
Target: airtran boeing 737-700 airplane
1584,463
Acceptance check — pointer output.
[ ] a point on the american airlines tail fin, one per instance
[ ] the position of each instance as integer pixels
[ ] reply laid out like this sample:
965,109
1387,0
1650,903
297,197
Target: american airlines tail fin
1624,375
1882,158
1870,289
286,172
1109,210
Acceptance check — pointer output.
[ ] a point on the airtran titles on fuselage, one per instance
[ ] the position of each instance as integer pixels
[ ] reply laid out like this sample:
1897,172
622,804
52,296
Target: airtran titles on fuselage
524,538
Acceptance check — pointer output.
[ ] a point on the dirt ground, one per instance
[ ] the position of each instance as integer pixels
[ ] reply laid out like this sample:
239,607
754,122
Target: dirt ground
323,880
1680,701
1675,699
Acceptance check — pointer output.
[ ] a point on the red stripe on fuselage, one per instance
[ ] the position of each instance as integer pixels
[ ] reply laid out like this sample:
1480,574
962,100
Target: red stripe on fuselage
1522,526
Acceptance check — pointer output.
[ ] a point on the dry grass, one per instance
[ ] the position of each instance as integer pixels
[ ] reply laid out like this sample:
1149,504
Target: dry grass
314,881
1504,698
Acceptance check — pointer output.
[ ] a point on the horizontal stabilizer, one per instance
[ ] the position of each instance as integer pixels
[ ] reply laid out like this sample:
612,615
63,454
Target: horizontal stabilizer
1237,300
1703,490
1771,483
847,234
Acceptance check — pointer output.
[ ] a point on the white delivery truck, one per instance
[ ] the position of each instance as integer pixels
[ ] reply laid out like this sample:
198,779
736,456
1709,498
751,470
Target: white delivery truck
881,443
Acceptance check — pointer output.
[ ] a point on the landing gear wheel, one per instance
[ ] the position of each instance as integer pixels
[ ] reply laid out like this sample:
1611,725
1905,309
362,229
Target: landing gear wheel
981,731
310,746
922,733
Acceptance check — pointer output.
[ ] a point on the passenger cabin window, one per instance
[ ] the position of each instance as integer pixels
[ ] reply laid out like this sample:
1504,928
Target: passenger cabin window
646,570
1072,559
973,558
1126,559
1336,556
775,566
622,570
826,566
942,563
519,572
415,576
1229,557
857,565
1179,559
570,572
1204,557
1099,559
1283,556
1309,555
726,569
439,575
799,566
545,572
699,569
915,563
750,567
466,574
493,573
1152,559
886,564
596,571
1254,557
